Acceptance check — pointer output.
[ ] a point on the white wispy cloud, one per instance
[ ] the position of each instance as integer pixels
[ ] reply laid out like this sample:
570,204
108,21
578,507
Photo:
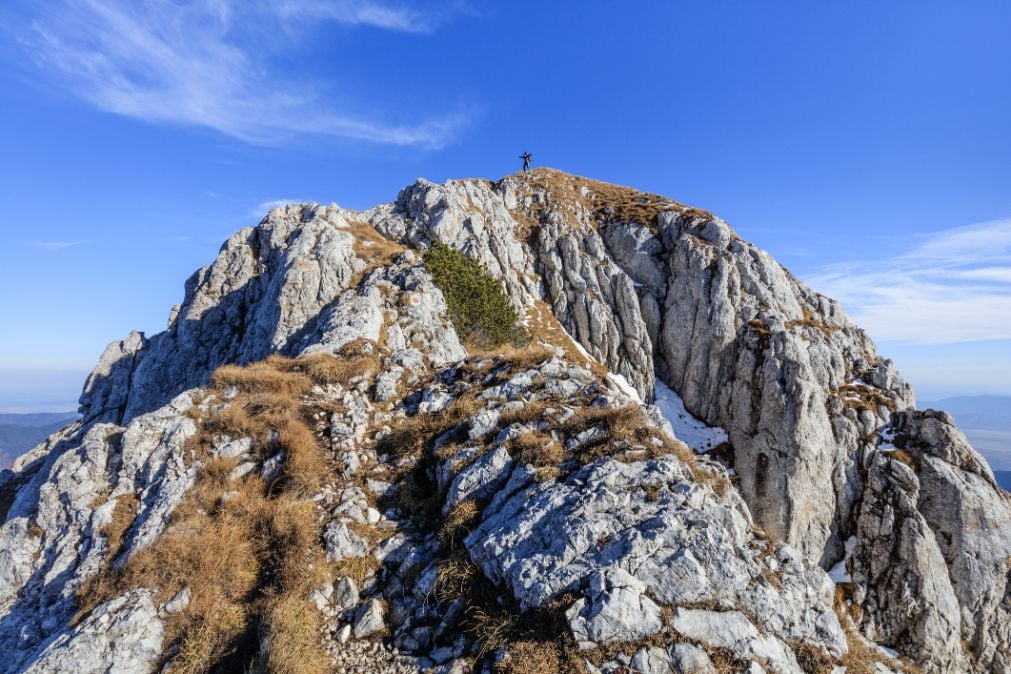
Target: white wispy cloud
359,12
264,207
954,286
56,246
206,63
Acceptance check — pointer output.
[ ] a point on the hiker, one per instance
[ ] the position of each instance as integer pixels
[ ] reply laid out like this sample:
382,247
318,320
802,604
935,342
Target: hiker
527,158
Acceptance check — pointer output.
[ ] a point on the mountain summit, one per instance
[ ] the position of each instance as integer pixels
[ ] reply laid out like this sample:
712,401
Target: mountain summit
422,437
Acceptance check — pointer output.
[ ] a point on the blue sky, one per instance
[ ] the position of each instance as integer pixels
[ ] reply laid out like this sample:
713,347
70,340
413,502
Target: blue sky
866,145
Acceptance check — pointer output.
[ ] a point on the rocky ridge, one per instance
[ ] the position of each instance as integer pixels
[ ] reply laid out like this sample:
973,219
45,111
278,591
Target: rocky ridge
515,511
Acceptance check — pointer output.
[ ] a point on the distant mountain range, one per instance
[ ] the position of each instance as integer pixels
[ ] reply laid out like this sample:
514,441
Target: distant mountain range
21,432
986,422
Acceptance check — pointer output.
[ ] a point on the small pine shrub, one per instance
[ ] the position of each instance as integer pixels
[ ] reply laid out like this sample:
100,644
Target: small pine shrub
478,306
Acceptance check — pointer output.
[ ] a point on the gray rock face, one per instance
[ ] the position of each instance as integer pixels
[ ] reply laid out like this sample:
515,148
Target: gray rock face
371,619
733,631
616,610
651,290
123,635
599,528
107,389
282,287
933,549
744,344
51,541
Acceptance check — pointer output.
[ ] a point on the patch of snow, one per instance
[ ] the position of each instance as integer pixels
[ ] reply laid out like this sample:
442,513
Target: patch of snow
886,436
688,429
891,652
622,384
838,573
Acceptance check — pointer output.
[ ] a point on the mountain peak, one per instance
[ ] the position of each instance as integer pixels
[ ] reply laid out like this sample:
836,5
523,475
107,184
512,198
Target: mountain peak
321,393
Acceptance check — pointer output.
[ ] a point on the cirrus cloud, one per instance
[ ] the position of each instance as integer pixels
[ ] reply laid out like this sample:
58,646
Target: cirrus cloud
954,286
200,63
57,246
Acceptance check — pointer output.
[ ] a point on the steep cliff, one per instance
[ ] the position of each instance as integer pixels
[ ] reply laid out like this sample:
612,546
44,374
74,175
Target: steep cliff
518,510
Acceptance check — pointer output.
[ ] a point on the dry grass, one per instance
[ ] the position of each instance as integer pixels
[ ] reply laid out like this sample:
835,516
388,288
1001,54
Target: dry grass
298,565
455,575
358,569
605,201
863,397
461,519
531,657
324,368
623,428
518,358
412,435
530,413
758,326
538,449
903,456
809,321
544,326
305,465
812,659
261,378
862,656
249,562
373,247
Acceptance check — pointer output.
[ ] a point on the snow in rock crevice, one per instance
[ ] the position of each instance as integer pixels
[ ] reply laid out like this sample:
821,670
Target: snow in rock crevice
687,428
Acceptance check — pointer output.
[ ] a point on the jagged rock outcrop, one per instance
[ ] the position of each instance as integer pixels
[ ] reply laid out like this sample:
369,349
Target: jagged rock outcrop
932,548
51,542
682,298
613,541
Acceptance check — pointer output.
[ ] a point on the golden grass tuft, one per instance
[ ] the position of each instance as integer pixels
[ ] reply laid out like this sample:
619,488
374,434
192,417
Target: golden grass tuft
605,201
373,247
758,326
324,368
864,397
538,449
411,435
809,321
358,569
531,657
529,413
544,326
454,576
903,456
261,378
461,519
305,464
622,427
250,561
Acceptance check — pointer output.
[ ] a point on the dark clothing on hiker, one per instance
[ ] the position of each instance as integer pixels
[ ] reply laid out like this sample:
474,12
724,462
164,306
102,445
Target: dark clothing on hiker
527,158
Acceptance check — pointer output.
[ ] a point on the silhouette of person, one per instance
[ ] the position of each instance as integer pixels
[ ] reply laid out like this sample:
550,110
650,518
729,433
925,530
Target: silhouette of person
527,158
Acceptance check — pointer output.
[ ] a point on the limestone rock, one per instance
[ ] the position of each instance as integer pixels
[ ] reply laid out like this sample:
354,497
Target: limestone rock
644,288
370,620
122,635
616,609
933,551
